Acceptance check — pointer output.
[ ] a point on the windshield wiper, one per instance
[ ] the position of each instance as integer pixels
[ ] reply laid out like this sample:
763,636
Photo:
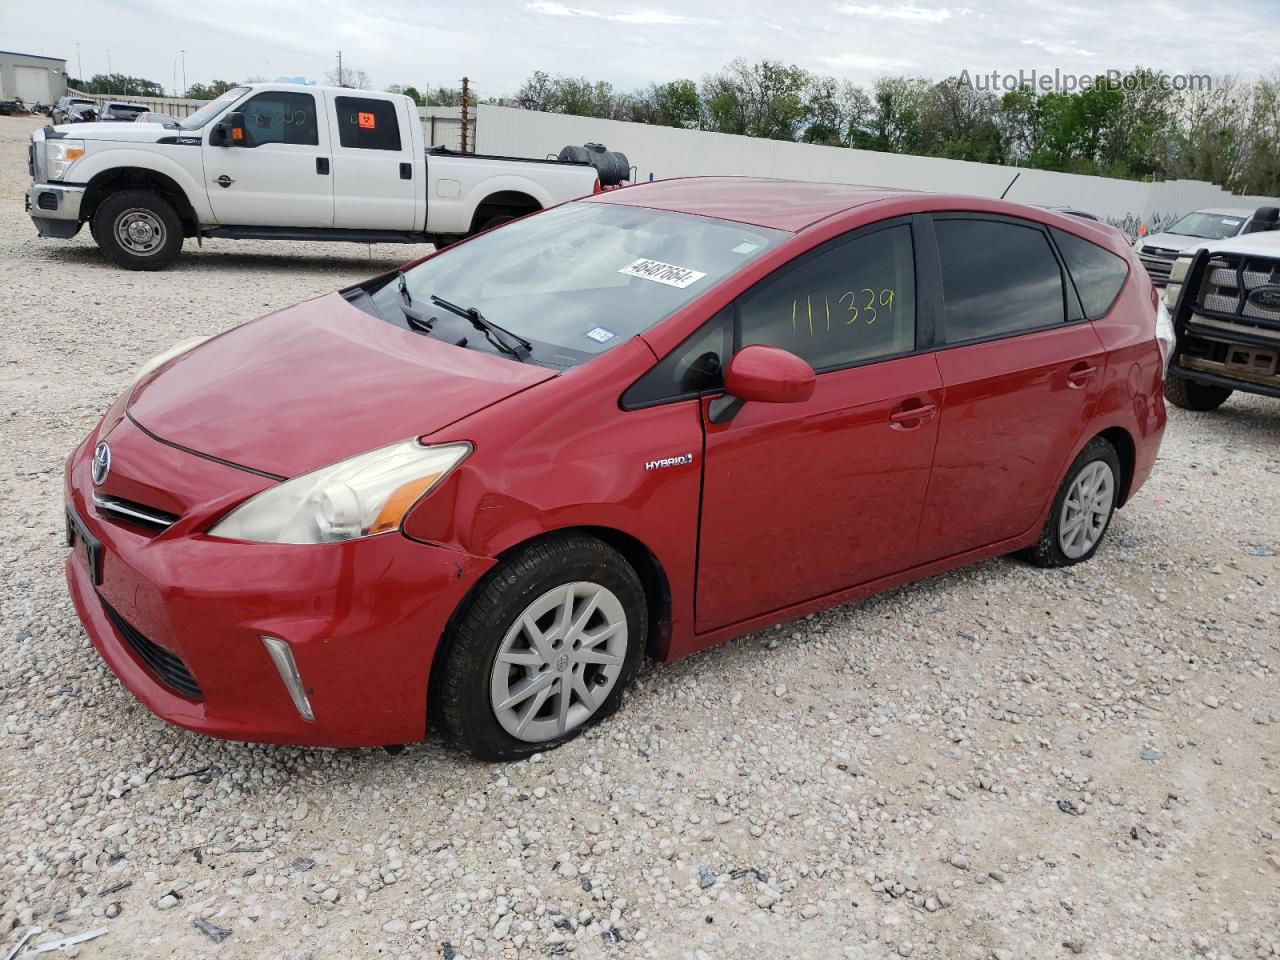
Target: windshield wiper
414,317
492,332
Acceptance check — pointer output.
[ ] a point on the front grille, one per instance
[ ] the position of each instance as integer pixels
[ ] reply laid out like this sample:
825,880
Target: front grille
117,508
165,664
1158,266
1228,281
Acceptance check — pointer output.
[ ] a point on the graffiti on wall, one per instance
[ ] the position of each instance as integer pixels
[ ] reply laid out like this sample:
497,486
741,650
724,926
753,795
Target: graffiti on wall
1132,225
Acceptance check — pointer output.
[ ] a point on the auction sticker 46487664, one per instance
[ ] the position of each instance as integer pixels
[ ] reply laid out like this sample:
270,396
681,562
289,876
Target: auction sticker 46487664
660,272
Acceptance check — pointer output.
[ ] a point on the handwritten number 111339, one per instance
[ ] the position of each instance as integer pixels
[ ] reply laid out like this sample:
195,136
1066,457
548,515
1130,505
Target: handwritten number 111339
865,305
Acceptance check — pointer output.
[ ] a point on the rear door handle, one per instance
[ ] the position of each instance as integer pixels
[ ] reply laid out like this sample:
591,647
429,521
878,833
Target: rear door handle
910,417
322,166
1080,374
406,171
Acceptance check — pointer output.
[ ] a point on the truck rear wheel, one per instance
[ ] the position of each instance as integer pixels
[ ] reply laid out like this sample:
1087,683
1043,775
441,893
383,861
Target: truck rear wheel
1193,395
138,230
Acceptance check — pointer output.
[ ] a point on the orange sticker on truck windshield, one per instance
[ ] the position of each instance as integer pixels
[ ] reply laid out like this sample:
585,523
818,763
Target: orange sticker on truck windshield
366,120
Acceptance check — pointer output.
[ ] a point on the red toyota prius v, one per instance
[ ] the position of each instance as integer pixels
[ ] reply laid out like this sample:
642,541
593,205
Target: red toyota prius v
476,491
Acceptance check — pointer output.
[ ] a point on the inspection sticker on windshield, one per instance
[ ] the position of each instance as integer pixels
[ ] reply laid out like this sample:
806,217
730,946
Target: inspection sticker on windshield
660,272
600,334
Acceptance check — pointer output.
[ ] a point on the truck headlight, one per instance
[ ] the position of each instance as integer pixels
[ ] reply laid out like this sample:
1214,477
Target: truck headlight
60,154
365,495
1178,272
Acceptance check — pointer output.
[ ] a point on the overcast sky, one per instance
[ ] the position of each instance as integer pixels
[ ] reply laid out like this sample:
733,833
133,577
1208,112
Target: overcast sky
500,42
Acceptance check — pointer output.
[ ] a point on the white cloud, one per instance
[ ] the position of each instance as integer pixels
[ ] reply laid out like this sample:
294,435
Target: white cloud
909,12
636,17
1058,49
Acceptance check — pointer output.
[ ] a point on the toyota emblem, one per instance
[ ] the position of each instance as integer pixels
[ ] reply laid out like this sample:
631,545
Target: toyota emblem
101,464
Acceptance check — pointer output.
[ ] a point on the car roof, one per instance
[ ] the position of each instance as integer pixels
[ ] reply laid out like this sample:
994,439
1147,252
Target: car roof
781,204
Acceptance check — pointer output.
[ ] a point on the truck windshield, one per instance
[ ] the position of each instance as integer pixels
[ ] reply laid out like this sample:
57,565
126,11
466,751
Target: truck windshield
1214,226
212,109
580,279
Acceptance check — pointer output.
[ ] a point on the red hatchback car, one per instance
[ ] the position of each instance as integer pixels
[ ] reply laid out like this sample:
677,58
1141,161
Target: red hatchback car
481,488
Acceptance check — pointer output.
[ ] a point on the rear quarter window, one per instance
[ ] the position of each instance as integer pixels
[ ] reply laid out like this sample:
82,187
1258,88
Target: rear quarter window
1098,274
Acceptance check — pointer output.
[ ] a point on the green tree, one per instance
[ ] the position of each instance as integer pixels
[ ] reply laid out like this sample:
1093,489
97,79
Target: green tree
208,91
117,83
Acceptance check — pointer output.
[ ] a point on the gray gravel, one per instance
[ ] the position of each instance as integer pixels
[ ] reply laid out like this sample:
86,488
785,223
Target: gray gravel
1002,762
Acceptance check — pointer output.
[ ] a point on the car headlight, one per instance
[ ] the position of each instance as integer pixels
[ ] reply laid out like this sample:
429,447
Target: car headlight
365,495
1137,245
60,154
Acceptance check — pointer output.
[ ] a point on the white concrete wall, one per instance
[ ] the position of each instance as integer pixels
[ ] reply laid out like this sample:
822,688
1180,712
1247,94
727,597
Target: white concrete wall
667,152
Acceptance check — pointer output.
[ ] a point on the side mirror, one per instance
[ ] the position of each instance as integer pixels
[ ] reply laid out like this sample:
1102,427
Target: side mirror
766,375
230,131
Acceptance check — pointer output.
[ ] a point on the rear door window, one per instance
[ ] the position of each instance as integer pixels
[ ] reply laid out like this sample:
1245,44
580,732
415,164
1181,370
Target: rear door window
998,279
1098,274
367,124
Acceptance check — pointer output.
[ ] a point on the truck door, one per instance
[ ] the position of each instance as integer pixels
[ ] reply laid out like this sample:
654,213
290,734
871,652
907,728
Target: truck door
280,177
375,176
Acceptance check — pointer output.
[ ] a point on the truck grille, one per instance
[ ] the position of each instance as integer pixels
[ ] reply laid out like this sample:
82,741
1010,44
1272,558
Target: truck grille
165,664
1228,287
1158,262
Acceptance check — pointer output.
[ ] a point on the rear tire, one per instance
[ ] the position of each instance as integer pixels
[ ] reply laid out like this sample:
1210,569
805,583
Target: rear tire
543,649
1192,395
1082,511
138,230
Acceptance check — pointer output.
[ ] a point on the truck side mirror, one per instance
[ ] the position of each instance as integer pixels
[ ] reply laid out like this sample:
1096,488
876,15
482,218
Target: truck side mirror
230,131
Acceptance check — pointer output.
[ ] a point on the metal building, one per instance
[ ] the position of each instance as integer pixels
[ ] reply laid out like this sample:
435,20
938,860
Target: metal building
32,78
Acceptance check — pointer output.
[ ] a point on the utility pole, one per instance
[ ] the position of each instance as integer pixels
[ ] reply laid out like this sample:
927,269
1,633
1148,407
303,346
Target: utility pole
108,71
183,54
466,119
175,79
339,68
79,65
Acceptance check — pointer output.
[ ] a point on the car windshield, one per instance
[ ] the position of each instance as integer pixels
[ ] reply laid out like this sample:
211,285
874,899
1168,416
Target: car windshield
579,279
211,109
1214,226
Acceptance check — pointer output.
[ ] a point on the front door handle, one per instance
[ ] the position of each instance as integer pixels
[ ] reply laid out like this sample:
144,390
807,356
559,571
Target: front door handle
1080,374
322,166
911,414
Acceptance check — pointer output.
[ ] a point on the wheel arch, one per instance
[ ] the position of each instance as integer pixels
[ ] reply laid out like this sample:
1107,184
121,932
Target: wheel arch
116,179
653,578
1122,440
514,203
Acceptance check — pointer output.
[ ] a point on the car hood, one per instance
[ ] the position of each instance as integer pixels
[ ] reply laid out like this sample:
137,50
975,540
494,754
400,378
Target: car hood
122,131
317,383
1173,241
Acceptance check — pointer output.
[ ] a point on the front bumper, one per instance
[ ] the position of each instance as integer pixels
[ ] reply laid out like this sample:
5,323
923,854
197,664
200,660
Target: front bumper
55,208
362,619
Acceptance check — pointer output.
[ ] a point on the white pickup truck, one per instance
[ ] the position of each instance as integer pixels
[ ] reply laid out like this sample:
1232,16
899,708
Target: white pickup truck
278,161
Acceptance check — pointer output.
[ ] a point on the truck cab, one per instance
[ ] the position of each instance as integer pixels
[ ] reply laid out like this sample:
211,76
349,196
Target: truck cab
277,161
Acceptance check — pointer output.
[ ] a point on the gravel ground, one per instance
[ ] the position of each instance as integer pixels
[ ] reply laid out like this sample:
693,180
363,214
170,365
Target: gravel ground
1001,762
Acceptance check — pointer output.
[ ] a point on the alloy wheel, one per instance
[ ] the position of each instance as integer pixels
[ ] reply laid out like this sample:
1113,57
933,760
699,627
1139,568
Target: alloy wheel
559,661
1087,509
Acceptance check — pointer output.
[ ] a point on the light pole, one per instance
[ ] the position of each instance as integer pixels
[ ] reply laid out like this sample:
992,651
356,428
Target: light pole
79,65
183,54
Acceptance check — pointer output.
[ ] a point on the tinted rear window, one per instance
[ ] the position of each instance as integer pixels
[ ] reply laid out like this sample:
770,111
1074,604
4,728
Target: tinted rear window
367,124
1098,274
998,279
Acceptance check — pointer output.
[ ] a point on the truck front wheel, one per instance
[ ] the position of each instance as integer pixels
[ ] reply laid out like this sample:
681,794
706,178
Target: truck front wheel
138,230
1193,395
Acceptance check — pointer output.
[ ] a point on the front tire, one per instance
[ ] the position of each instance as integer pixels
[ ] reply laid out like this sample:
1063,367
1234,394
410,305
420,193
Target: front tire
1192,395
1082,510
138,230
543,650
